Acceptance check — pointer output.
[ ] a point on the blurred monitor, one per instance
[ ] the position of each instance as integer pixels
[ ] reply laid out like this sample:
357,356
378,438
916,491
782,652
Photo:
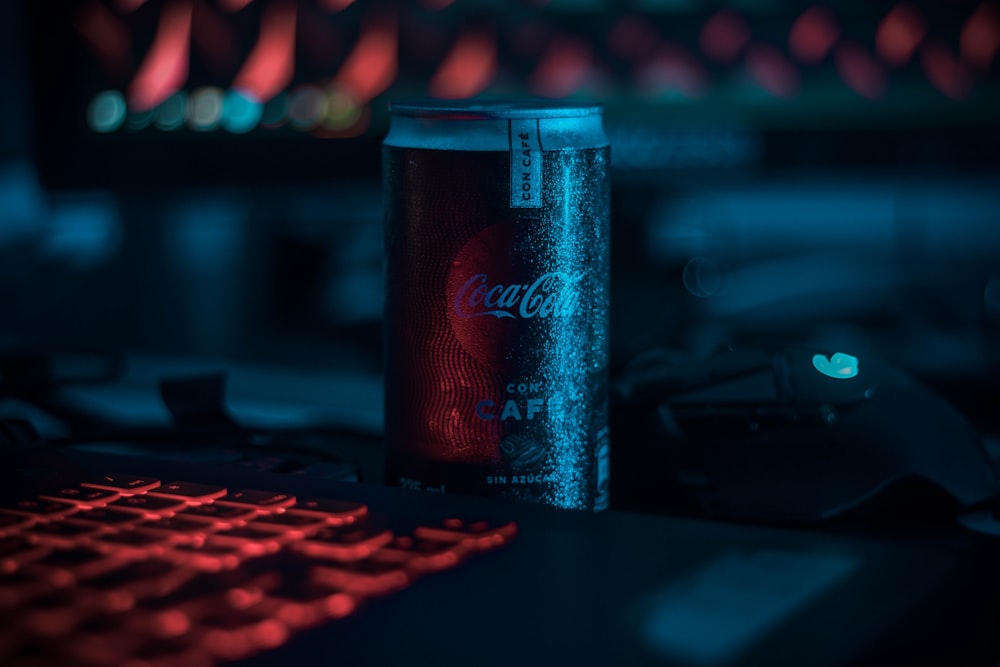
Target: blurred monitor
153,93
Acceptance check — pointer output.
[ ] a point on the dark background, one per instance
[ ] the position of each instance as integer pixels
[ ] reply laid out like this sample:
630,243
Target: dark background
822,174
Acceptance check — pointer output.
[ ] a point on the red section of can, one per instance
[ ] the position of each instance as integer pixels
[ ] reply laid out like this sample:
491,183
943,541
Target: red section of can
497,252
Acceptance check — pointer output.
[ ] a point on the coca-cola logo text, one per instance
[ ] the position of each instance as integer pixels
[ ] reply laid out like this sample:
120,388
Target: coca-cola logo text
552,294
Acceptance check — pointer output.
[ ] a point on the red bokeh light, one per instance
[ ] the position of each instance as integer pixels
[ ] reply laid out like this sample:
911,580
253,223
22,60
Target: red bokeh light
270,66
980,38
813,35
563,68
165,68
945,71
335,5
468,68
108,36
632,38
772,70
234,5
371,66
860,71
724,36
899,34
673,67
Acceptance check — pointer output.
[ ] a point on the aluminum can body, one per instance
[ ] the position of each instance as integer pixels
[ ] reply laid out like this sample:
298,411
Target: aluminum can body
497,256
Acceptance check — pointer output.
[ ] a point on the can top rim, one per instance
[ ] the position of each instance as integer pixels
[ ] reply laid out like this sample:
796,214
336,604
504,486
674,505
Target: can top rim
478,109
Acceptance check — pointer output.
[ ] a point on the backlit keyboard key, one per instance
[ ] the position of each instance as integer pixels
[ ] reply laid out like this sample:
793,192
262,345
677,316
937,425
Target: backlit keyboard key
243,636
422,555
193,494
18,588
17,551
123,483
349,543
288,523
363,578
150,506
134,544
56,614
77,564
265,501
108,517
334,512
251,541
189,530
221,516
174,653
42,510
87,498
481,535
207,557
148,579
108,646
306,606
64,534
11,524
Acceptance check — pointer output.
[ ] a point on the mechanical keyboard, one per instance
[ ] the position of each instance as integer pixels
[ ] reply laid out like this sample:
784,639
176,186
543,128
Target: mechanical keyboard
126,569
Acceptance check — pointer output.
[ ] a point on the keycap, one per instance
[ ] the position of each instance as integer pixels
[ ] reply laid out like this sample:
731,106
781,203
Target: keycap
133,544
178,652
348,543
243,636
56,614
16,551
140,580
41,510
258,500
149,506
334,512
363,578
104,646
187,530
221,516
297,525
111,518
207,557
123,483
423,555
306,604
479,534
11,524
64,534
251,541
87,498
78,564
192,493
19,588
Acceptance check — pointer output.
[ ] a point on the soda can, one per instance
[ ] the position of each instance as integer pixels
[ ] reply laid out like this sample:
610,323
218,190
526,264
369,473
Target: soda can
497,255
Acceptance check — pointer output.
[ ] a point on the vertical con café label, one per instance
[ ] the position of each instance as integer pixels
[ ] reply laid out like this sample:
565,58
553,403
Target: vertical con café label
525,164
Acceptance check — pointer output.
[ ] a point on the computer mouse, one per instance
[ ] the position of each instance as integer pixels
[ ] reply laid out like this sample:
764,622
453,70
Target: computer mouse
786,434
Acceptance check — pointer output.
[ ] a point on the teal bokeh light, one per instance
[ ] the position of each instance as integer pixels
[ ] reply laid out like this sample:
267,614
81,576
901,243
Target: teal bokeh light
204,109
170,114
106,112
275,111
139,120
240,112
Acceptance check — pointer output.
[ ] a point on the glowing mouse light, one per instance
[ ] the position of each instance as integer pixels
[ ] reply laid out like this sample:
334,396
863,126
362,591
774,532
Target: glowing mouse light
840,366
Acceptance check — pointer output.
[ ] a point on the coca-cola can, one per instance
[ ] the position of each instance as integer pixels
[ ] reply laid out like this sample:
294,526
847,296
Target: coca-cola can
497,249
